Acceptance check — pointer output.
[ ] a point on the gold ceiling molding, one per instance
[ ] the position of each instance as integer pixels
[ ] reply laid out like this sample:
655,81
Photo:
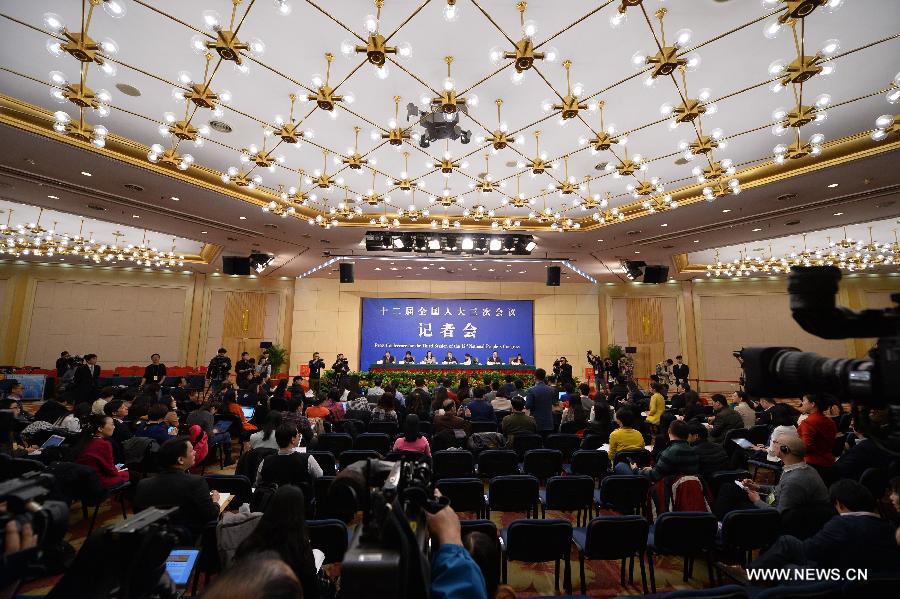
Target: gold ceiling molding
33,119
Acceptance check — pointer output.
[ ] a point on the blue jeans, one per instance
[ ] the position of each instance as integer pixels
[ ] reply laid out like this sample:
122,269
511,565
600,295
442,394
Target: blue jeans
623,468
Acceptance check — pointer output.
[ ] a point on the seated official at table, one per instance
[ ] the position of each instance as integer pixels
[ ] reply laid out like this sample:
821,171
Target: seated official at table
495,359
517,361
387,358
470,360
409,358
429,358
449,359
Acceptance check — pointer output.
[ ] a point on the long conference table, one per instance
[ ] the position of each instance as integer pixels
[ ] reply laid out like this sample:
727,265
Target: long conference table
455,368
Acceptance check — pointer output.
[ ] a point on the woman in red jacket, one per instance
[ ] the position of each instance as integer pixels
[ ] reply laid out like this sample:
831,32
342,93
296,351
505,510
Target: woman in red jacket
818,432
97,451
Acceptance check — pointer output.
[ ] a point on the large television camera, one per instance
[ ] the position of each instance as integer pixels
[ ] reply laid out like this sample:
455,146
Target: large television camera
387,554
870,384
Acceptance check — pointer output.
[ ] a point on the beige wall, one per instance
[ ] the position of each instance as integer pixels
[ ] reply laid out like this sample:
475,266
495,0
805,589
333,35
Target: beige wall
124,315
327,314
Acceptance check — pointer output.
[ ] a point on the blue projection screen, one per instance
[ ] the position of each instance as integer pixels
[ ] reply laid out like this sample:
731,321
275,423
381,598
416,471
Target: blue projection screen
477,327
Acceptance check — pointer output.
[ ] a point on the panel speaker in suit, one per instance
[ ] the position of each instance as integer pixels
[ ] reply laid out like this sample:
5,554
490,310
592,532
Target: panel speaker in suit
553,276
235,265
656,274
346,272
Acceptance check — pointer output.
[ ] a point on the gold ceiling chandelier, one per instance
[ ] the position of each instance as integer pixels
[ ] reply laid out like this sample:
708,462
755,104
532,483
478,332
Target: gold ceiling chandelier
199,91
568,185
605,137
79,44
519,200
591,201
226,42
792,10
412,212
486,182
404,183
569,105
447,163
524,53
539,164
283,208
449,101
395,135
888,124
344,209
325,96
321,178
446,199
372,197
376,48
289,130
500,139
667,58
353,160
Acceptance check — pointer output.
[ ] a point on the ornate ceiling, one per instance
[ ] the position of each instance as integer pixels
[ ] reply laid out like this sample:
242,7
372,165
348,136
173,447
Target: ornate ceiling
567,118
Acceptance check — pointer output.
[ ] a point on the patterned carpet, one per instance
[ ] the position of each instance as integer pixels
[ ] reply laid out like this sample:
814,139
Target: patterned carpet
528,580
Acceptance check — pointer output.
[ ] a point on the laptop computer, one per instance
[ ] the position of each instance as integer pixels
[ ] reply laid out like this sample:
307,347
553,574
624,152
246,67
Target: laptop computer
53,441
248,412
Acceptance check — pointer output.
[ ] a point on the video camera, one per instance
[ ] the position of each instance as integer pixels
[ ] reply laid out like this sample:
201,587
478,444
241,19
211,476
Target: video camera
870,384
26,503
387,555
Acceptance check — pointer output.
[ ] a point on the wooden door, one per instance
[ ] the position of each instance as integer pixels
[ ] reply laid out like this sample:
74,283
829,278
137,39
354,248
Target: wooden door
645,332
242,329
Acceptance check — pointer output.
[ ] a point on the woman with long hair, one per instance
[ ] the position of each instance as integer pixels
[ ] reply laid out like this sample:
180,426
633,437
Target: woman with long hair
95,450
278,400
384,411
266,436
412,439
282,529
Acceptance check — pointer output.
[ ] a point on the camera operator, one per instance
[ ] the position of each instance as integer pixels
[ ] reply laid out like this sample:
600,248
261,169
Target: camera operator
596,363
562,370
315,372
340,368
454,574
63,364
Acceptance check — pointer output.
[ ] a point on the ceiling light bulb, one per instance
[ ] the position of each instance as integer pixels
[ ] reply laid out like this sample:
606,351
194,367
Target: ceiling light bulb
817,139
404,49
114,8
472,100
371,23
348,48
882,122
639,59
284,7
496,55
317,80
683,37
382,72
617,20
823,100
772,29
547,105
830,47
53,22
451,13
448,84
212,20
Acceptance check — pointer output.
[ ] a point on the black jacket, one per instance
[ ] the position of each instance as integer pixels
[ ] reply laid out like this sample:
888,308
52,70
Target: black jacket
865,454
712,457
86,381
177,488
864,541
781,414
681,372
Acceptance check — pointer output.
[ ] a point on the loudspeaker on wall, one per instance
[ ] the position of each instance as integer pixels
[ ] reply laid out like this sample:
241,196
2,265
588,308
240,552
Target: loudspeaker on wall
346,272
553,276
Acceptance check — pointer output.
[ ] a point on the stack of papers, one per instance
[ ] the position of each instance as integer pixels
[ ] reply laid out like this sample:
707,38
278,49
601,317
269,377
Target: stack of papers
224,499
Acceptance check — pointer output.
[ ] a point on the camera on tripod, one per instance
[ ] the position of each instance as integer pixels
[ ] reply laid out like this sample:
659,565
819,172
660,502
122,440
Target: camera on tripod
387,554
870,384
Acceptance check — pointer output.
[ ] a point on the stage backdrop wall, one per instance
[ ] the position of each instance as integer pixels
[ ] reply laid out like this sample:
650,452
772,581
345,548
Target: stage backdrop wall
476,327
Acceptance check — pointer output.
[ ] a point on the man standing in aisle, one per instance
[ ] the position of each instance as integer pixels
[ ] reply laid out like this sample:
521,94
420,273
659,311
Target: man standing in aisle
681,371
63,363
86,381
315,372
218,370
244,371
539,401
155,372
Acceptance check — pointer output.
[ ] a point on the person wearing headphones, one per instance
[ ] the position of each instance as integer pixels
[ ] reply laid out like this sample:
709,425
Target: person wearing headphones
799,484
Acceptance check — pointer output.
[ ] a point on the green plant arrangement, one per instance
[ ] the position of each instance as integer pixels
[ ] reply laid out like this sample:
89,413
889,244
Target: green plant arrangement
614,352
277,357
406,380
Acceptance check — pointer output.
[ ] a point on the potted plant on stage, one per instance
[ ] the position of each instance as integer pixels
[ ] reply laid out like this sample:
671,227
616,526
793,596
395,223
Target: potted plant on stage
277,357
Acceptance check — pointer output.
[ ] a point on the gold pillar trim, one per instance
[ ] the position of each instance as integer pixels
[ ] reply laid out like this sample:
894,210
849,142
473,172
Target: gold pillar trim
33,119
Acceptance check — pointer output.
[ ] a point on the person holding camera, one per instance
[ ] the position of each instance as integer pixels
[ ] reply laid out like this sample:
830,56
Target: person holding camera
562,370
63,364
596,363
454,574
218,370
340,367
315,372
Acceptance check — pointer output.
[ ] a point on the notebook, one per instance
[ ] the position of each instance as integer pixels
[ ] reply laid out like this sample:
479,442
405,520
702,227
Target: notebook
53,441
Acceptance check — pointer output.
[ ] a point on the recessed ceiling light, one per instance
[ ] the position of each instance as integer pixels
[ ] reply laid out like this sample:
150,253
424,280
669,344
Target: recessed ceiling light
86,174
521,272
135,216
637,251
393,268
174,199
53,197
833,185
838,213
725,210
600,240
204,232
664,225
243,218
490,270
757,230
377,268
696,241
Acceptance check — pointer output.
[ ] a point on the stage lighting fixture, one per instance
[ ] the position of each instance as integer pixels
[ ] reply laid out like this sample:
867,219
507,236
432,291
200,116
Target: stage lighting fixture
467,243
259,262
434,243
516,244
399,243
495,244
634,269
530,246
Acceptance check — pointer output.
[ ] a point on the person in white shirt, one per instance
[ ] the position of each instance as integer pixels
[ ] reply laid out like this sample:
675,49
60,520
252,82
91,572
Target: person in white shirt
495,359
450,359
517,361
375,390
429,358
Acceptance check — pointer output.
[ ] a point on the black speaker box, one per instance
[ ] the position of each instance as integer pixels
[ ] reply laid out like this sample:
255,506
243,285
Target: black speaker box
553,276
656,274
235,265
346,272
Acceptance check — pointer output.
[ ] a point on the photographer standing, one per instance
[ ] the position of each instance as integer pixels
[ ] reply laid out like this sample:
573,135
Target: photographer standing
596,363
155,372
63,363
563,371
315,372
85,382
340,368
218,370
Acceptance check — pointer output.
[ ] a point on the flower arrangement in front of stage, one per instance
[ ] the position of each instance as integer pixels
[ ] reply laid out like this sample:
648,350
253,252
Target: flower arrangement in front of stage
404,380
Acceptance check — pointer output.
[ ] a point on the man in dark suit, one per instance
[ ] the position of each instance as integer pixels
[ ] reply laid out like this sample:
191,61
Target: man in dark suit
63,363
857,537
539,401
173,486
776,413
680,371
563,370
86,381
